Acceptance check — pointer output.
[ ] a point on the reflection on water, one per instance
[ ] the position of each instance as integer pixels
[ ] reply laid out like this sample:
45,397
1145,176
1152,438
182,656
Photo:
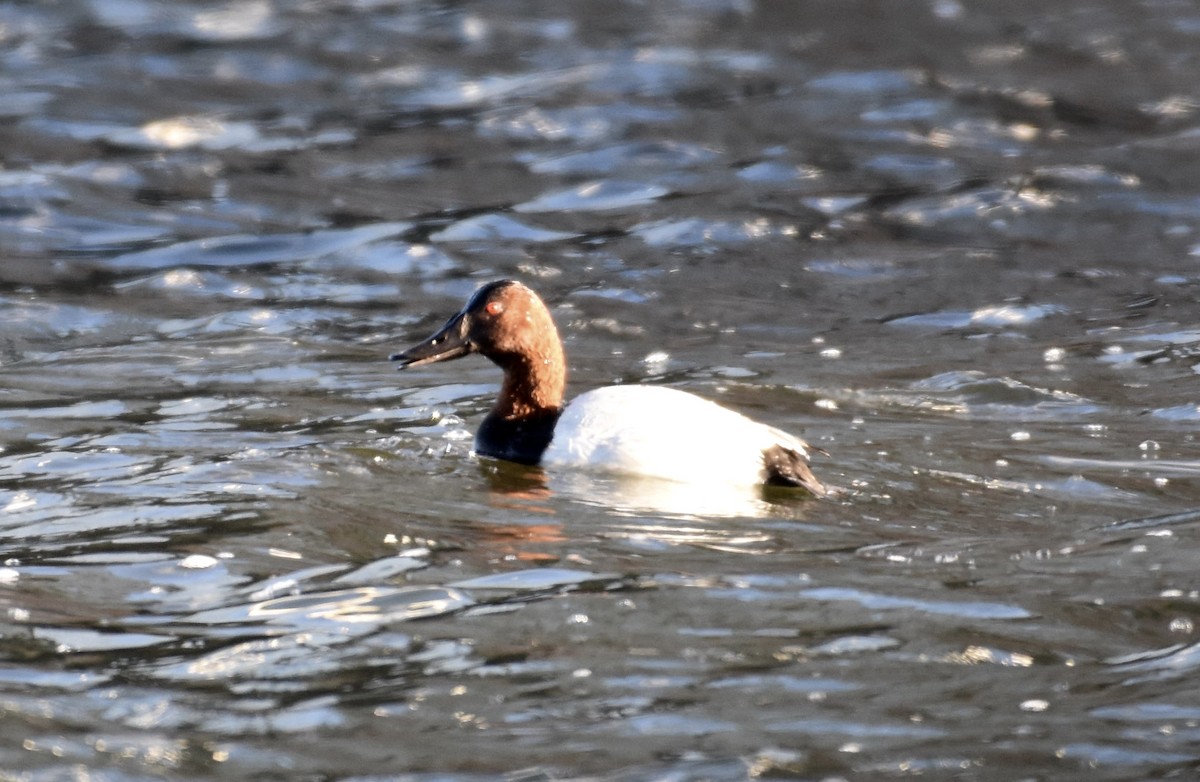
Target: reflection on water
637,496
952,243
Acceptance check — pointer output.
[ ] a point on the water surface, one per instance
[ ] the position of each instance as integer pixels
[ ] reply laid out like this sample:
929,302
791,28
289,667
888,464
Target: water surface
951,243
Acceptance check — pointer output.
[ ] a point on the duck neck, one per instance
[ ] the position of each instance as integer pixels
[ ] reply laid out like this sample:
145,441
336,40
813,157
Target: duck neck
521,425
533,387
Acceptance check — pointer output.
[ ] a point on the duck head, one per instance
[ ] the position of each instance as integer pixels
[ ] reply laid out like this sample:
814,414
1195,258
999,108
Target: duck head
504,321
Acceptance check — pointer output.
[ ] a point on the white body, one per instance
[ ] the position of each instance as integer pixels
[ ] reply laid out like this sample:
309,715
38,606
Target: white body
663,433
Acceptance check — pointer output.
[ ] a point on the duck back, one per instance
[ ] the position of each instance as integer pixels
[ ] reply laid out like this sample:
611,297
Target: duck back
666,433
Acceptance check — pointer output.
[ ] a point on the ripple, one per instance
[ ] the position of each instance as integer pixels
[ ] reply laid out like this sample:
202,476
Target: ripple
573,123
1105,755
229,22
413,167
387,568
1073,487
87,411
922,170
691,232
85,235
15,679
493,227
671,725
776,172
1180,661
603,195
247,250
1148,712
175,585
865,269
29,188
878,602
23,103
390,258
909,111
1190,412
277,659
851,644
26,506
461,93
653,71
879,82
532,580
243,69
1089,176
976,395
39,320
76,640
978,388
781,683
336,610
853,729
83,465
184,132
992,316
80,523
76,130
632,155
834,205
993,209
1183,336
1170,207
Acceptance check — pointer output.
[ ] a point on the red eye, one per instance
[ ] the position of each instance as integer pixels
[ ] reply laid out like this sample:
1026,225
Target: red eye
494,307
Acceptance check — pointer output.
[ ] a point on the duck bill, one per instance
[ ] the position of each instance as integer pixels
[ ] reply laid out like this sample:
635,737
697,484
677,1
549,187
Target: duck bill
450,342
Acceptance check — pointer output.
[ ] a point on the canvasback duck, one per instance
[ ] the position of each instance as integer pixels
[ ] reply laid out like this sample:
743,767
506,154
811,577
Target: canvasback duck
643,430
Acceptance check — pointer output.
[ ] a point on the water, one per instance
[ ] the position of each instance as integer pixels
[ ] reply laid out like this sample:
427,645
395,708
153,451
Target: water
952,243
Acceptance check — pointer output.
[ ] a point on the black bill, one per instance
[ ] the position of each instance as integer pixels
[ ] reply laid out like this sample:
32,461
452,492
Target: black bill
451,341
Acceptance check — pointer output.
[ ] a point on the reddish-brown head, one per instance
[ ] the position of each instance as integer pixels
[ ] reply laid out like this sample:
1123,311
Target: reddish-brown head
508,323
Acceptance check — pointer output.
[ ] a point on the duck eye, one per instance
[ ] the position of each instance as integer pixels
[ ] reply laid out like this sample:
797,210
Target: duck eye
494,307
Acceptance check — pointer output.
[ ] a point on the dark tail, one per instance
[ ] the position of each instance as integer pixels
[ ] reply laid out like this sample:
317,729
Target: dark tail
788,467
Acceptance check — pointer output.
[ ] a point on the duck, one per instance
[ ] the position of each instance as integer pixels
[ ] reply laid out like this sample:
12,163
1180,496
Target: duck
640,430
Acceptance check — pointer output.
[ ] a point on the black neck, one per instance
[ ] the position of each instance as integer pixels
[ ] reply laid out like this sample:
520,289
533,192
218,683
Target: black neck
522,440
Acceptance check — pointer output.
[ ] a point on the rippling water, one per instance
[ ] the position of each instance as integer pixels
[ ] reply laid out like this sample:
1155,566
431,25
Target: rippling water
951,242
